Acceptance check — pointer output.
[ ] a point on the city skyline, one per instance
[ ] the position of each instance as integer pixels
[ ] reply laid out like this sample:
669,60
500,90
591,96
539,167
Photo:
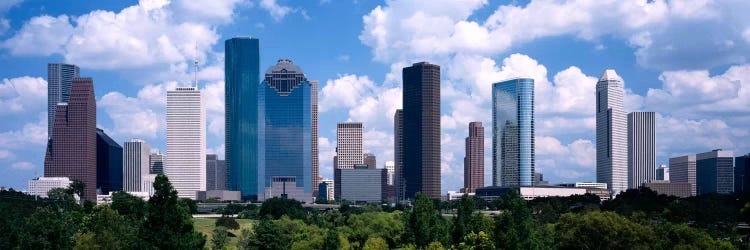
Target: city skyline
359,71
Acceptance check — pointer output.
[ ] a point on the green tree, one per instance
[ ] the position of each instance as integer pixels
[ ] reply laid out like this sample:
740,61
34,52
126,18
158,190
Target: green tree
682,236
219,238
128,205
62,198
227,222
601,230
269,236
245,239
48,228
465,221
77,187
388,226
375,243
474,241
515,228
331,241
190,204
435,245
277,207
425,222
169,225
108,230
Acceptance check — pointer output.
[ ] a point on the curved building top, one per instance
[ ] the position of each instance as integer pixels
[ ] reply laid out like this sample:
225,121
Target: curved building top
284,77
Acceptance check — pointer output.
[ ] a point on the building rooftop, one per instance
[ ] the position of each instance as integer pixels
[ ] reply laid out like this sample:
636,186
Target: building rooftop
609,75
286,65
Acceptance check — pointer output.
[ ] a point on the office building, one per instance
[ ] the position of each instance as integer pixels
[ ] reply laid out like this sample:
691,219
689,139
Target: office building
323,192
108,164
221,195
147,184
285,115
314,145
370,160
59,81
361,184
662,173
330,185
71,151
135,165
641,148
611,133
530,193
421,130
679,189
398,154
714,172
156,163
186,141
42,185
742,173
474,158
539,179
682,170
390,171
216,173
349,146
242,132
513,132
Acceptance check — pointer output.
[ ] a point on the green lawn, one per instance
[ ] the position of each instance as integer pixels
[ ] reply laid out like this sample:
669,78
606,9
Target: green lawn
207,225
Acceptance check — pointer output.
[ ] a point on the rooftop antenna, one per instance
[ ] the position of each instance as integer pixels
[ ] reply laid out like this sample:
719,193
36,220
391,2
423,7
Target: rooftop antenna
195,66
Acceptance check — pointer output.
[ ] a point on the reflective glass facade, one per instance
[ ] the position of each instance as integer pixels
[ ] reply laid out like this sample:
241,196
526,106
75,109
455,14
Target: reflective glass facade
242,80
513,132
285,138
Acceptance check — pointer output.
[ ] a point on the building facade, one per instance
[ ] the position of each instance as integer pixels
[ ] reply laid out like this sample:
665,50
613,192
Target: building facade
108,164
59,81
474,158
662,173
679,189
742,173
156,163
398,154
682,170
641,148
362,184
136,163
714,172
186,141
314,144
390,168
513,132
71,151
42,185
216,173
330,185
611,133
242,132
285,115
349,147
421,130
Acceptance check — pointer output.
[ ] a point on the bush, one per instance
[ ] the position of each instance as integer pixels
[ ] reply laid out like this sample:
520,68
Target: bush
227,222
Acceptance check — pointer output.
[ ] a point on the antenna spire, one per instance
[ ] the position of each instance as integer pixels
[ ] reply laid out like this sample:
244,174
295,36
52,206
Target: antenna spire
195,66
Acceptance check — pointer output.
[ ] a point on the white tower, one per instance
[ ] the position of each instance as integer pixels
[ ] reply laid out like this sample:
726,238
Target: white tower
186,141
135,164
611,133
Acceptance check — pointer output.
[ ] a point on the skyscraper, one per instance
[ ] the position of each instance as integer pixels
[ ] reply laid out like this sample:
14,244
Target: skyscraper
398,154
108,163
474,159
285,115
186,141
370,160
513,132
641,148
682,170
390,171
216,173
156,163
59,80
135,164
242,150
315,161
714,172
611,133
349,146
742,173
72,149
421,130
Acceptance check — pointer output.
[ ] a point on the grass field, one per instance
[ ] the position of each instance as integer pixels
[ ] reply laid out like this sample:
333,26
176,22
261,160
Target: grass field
207,225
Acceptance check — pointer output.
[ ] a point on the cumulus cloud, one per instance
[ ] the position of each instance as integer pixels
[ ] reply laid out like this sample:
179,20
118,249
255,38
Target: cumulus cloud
23,95
276,10
23,165
32,134
345,91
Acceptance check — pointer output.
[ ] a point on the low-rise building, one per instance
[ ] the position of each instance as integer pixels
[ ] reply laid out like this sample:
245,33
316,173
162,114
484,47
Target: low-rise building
286,187
222,195
529,193
42,185
679,189
453,195
362,184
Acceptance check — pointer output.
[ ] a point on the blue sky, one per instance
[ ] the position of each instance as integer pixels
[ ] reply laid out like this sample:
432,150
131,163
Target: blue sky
685,60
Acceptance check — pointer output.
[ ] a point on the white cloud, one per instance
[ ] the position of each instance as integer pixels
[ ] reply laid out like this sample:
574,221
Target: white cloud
222,10
345,91
23,165
5,154
23,95
32,134
42,35
276,10
130,116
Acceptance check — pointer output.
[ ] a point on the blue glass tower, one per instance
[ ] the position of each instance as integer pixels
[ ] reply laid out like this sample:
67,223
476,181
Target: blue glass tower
513,132
285,113
242,80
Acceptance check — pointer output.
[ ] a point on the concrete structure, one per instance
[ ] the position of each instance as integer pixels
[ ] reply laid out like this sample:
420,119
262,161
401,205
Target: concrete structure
222,195
216,173
474,158
361,184
330,185
679,189
349,147
662,173
590,185
71,151
135,165
108,164
156,163
539,179
513,132
742,173
286,187
453,195
398,155
611,133
59,81
390,172
682,170
421,130
641,148
107,198
147,184
370,160
314,138
42,185
286,124
714,172
529,193
186,141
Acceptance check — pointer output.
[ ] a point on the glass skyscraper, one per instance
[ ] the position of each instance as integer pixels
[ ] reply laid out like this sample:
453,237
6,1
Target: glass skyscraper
513,132
242,80
285,131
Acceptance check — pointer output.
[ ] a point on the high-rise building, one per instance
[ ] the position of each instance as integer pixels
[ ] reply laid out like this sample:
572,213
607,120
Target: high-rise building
611,133
72,149
390,168
186,141
108,163
742,173
242,131
361,184
421,130
330,190
641,148
156,163
398,154
59,80
513,132
216,173
682,170
714,172
315,151
135,164
474,159
349,145
662,173
285,114
370,160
